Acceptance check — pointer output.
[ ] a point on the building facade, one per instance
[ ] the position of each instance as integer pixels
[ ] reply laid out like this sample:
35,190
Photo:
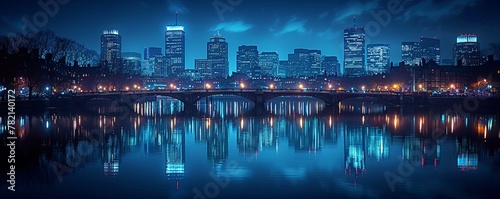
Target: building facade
354,51
331,65
247,60
269,62
111,49
467,51
204,67
431,49
378,58
175,48
217,54
411,53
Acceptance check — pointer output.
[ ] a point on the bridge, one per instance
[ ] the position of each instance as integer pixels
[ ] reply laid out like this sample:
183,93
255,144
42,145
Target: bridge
258,96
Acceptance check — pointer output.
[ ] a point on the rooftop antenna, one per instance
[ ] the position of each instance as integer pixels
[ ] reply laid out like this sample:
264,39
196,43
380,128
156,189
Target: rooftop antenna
176,18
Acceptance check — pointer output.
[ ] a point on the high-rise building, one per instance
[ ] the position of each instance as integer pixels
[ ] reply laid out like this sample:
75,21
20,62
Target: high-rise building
132,63
331,65
305,62
204,67
175,48
467,51
269,61
378,58
354,51
162,66
431,49
217,54
314,65
247,60
111,49
411,53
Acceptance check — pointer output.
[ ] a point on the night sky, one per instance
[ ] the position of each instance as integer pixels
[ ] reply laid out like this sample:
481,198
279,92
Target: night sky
272,25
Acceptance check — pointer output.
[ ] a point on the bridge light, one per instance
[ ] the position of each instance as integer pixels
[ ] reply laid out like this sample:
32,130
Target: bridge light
127,88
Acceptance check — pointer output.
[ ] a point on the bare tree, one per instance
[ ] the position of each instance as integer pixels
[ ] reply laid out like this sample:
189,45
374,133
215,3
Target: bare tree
495,49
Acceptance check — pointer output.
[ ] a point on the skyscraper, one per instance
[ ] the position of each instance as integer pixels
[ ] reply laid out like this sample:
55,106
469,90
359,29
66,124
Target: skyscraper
354,51
111,49
431,49
467,51
217,54
269,61
331,65
378,58
247,60
411,53
175,48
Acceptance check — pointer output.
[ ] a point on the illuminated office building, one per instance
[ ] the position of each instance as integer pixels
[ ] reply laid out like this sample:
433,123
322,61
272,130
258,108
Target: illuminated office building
467,51
247,60
411,53
269,62
378,58
331,65
111,49
217,55
431,49
354,51
175,48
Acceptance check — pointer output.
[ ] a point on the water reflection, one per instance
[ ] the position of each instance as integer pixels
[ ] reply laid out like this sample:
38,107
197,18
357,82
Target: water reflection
224,106
293,148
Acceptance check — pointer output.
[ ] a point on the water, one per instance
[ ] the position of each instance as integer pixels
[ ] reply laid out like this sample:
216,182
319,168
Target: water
297,149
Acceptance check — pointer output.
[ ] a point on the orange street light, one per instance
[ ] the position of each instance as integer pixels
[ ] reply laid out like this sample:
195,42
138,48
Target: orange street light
271,86
301,86
242,85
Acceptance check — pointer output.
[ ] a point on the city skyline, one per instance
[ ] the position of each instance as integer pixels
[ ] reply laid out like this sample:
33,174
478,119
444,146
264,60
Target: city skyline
283,24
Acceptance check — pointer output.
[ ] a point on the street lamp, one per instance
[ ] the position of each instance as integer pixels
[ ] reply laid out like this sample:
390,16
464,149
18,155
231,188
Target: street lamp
420,86
242,85
330,86
271,86
301,86
207,86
